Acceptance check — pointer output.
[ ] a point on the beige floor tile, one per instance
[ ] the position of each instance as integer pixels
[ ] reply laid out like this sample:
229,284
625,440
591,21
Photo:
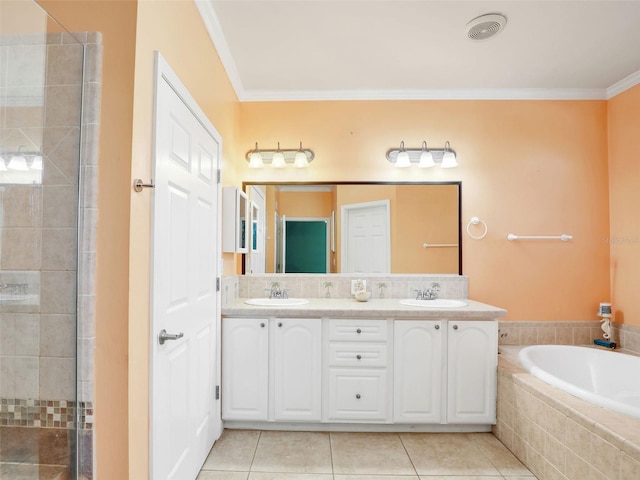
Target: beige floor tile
213,475
377,477
464,477
293,452
289,476
501,458
446,454
369,453
233,451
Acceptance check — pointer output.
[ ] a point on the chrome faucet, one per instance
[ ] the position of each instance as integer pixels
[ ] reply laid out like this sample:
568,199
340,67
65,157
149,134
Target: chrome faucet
276,292
428,293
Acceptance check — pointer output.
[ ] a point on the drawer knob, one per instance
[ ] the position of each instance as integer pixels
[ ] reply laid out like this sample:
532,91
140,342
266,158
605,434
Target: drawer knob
262,325
358,396
455,327
358,331
437,327
279,324
359,357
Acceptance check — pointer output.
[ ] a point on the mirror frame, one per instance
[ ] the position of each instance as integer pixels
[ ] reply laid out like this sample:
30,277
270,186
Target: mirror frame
328,182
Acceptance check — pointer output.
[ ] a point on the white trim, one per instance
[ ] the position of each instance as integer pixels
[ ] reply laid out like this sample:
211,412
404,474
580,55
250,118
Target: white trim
216,34
623,85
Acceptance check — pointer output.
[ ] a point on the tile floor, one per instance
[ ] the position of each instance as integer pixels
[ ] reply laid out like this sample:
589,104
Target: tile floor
275,455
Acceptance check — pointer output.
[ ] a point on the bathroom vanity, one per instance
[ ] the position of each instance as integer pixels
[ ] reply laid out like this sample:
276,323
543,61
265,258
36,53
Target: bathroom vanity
338,364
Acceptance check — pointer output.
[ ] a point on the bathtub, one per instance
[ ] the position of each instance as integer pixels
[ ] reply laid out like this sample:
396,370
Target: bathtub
605,378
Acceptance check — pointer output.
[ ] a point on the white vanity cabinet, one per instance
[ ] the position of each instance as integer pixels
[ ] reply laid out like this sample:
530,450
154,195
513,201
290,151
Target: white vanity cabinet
417,371
297,369
245,374
472,360
271,369
358,371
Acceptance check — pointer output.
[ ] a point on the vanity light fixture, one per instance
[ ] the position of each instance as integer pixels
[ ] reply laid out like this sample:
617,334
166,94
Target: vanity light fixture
423,157
280,158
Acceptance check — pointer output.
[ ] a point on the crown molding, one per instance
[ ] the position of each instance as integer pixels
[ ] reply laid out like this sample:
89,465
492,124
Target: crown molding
623,85
431,94
210,19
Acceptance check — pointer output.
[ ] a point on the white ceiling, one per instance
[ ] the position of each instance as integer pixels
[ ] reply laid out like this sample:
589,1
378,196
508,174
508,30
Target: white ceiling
418,49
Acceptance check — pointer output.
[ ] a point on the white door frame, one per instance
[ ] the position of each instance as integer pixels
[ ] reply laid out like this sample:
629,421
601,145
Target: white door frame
164,72
345,210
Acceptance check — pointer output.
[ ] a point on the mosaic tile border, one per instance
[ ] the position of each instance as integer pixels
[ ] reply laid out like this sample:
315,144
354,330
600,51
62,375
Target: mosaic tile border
30,412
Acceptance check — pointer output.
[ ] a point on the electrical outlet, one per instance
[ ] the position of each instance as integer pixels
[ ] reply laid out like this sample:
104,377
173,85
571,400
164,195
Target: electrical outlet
357,285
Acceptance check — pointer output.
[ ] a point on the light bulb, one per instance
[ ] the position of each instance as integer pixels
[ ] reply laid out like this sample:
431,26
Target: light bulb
36,163
402,161
255,160
278,160
426,159
301,159
449,160
18,162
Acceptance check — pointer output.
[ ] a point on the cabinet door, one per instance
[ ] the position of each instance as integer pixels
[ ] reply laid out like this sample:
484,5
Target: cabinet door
357,394
417,363
245,360
472,371
297,369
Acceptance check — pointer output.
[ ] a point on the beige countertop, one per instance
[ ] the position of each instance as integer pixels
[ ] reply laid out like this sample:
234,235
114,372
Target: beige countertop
374,308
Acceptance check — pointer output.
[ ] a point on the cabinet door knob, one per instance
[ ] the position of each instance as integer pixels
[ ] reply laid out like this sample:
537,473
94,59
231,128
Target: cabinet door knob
262,325
279,324
359,357
358,331
358,396
455,327
437,327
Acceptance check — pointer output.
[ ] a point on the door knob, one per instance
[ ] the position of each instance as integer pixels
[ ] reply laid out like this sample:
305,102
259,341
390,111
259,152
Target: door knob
164,336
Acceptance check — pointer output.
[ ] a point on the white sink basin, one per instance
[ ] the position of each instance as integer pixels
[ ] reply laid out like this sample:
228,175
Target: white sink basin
437,303
276,302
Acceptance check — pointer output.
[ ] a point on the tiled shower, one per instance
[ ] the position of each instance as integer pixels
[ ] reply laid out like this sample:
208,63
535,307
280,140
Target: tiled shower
49,112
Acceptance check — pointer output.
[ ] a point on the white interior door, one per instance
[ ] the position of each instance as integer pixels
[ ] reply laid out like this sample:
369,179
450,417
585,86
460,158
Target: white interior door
366,240
185,302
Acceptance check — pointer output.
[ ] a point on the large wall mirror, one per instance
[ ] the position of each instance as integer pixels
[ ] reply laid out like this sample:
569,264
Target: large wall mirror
356,227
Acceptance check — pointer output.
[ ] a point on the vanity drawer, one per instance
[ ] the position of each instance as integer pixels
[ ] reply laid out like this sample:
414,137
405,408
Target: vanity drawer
357,394
358,330
357,354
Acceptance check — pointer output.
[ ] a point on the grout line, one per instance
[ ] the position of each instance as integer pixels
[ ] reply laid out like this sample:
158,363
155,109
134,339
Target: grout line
333,471
415,470
255,452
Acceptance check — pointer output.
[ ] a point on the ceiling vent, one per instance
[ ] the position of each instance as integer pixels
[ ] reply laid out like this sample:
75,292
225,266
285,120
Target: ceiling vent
485,26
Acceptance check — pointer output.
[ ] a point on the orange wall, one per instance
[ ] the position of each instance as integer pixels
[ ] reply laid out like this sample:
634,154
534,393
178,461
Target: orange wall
624,194
132,31
305,204
117,22
527,167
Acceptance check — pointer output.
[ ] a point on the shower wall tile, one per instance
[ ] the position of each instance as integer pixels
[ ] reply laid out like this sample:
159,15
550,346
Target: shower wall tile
58,292
20,248
27,377
64,64
65,155
86,351
86,312
21,206
7,376
53,215
23,116
90,135
59,251
27,333
57,336
86,280
91,113
93,63
27,65
57,378
90,191
63,105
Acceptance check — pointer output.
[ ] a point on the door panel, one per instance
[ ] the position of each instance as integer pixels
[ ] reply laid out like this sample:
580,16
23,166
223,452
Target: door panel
185,414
